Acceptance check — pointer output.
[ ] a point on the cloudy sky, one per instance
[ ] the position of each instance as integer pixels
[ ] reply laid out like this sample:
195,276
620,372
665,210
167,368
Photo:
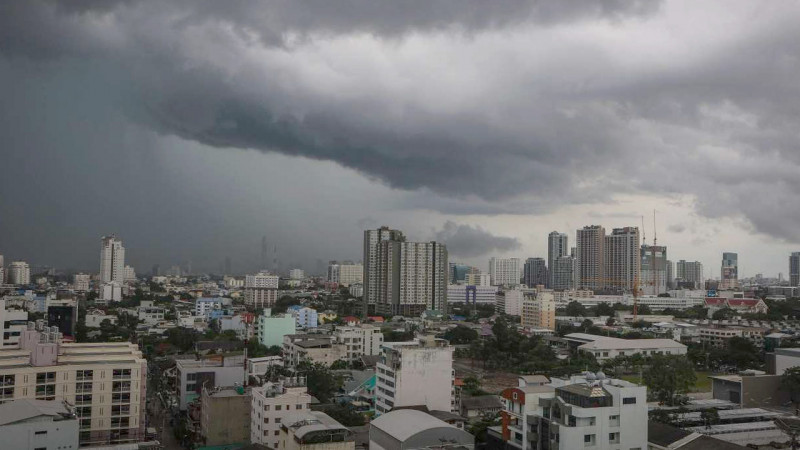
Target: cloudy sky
192,128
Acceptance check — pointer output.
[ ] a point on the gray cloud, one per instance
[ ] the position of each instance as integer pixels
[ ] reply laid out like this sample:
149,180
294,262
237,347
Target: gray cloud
469,241
677,228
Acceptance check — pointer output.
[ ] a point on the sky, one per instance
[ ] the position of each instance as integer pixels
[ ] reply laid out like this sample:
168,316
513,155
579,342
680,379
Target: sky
193,128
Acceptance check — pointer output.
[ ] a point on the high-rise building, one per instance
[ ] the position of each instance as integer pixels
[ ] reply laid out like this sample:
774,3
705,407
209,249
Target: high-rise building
130,273
373,255
412,278
557,246
345,273
654,270
539,312
112,260
478,279
670,274
729,274
104,381
589,257
504,271
80,282
19,272
416,373
794,269
622,259
535,273
297,274
261,290
2,270
458,272
689,274
562,273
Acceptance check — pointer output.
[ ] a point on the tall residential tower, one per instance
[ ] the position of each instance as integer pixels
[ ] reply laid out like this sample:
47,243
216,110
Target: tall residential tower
112,260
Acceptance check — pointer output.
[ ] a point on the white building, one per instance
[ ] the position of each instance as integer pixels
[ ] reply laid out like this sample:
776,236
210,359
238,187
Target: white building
150,315
27,424
261,290
19,272
257,367
465,293
478,279
203,306
356,290
80,282
130,273
505,271
192,374
346,273
12,322
297,274
622,259
111,292
539,312
359,340
512,301
313,348
314,430
234,323
604,348
112,260
416,373
271,404
95,317
305,317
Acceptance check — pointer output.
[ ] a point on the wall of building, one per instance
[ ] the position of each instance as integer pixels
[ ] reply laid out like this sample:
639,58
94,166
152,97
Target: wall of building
40,433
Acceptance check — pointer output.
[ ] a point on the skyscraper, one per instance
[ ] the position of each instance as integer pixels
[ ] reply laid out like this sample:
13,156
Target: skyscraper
794,269
689,274
535,273
563,273
557,246
622,259
112,260
373,255
504,271
729,278
19,272
655,269
589,267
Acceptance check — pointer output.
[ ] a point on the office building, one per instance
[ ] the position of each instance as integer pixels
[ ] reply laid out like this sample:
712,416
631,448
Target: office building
28,424
587,411
729,278
225,416
105,381
655,270
261,290
535,273
539,312
589,257
80,282
689,274
359,340
130,274
314,430
112,260
19,272
562,273
557,247
504,271
270,329
13,322
374,258
192,375
416,373
271,404
411,277
794,269
297,274
622,259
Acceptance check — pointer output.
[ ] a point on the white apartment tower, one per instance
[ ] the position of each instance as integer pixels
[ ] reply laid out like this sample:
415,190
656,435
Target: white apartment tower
416,373
362,340
19,272
412,278
112,260
80,282
557,246
345,273
589,256
622,259
505,271
272,403
261,290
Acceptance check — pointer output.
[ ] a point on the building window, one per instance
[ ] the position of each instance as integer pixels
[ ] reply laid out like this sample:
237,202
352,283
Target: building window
40,433
278,407
629,401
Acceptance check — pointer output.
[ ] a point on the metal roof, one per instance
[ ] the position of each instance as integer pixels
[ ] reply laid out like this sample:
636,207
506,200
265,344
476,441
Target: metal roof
401,424
23,409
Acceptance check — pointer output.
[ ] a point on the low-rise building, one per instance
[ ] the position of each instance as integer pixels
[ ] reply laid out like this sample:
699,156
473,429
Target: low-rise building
719,336
313,348
603,348
13,322
411,429
28,424
786,358
192,375
362,340
479,407
740,305
257,367
151,315
235,323
314,430
271,404
225,416
472,294
270,330
95,317
304,317
204,305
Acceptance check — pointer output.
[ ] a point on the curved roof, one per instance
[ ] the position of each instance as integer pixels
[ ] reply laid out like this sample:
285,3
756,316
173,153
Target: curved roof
402,424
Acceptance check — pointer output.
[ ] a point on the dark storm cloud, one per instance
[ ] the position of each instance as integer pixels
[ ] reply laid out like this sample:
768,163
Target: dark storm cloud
467,241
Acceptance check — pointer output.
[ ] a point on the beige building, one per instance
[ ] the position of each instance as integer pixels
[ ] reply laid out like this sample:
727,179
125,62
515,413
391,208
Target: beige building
271,404
314,430
313,348
261,290
622,259
105,381
719,337
225,416
539,312
589,253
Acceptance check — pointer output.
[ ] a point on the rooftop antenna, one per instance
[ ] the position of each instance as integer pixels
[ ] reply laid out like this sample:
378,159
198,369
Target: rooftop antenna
655,238
644,237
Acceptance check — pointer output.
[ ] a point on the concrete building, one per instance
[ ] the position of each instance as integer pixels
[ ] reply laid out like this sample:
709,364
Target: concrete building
314,430
504,271
622,259
27,424
297,274
359,340
794,269
374,257
478,279
80,282
562,273
604,348
203,306
510,302
589,411
415,373
225,416
236,324
193,374
19,272
689,274
786,358
270,329
539,312
112,260
257,367
13,322
346,273
655,270
411,429
535,273
105,381
719,336
589,258
261,290
150,315
110,292
304,317
557,247
457,273
356,290
467,293
313,348
271,404
729,275
95,317
130,274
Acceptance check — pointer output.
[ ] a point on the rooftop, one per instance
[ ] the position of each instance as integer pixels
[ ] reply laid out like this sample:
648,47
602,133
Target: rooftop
401,424
24,409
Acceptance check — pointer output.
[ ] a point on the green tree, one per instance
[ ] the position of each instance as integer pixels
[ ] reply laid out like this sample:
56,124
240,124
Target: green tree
742,354
345,415
643,310
604,309
575,309
320,380
667,376
790,381
709,417
723,314
460,335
